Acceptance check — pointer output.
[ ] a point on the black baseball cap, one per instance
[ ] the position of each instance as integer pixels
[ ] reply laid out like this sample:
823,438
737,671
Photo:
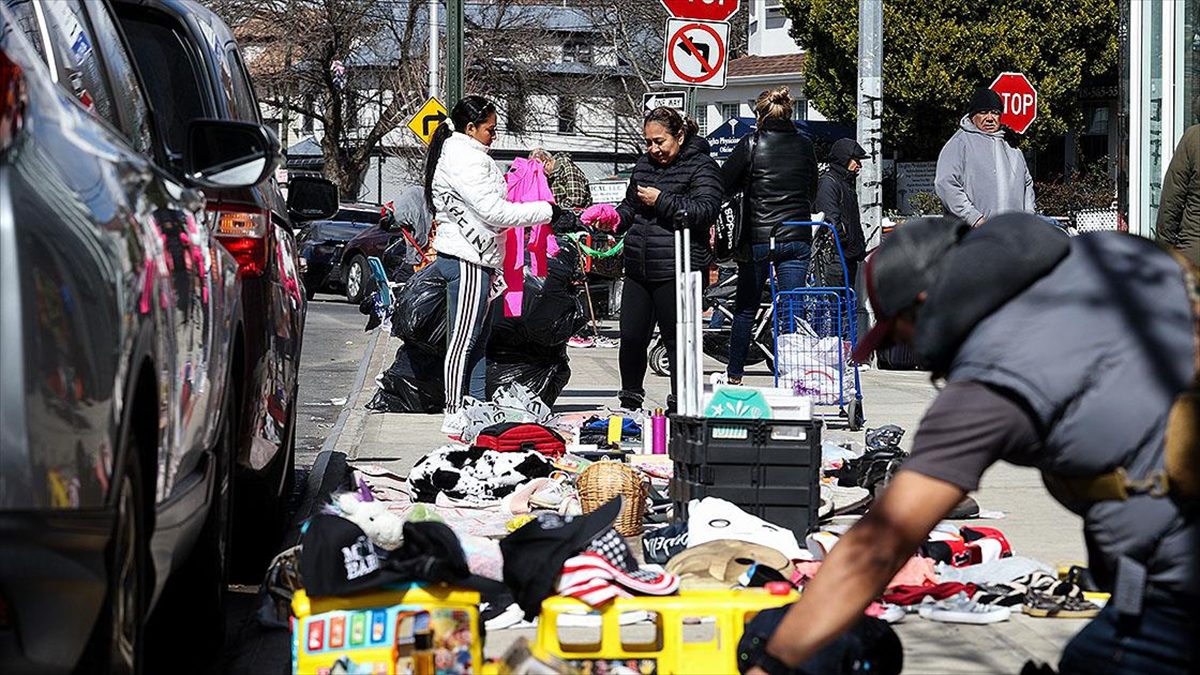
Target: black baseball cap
535,553
901,269
337,557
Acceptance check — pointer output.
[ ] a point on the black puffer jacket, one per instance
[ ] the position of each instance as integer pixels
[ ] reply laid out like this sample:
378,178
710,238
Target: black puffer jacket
780,187
838,199
691,183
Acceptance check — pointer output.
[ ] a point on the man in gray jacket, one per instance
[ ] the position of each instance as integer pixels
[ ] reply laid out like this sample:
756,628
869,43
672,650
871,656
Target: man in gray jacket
979,173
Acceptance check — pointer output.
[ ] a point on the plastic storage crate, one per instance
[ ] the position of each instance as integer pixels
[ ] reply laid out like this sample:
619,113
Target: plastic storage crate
769,468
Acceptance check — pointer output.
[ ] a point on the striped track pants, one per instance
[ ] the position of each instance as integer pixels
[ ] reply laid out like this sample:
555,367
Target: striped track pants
468,289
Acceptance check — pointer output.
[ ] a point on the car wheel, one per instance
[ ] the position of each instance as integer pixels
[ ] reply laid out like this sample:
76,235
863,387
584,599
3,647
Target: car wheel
195,594
116,643
356,279
260,512
658,359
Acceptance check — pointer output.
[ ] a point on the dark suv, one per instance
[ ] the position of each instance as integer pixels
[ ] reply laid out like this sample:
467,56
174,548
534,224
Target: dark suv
193,69
322,243
122,338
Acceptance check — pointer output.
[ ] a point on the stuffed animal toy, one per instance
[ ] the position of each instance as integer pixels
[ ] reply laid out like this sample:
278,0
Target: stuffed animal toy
384,528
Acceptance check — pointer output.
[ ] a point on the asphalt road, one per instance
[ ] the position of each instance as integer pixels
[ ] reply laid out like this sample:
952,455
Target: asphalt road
334,343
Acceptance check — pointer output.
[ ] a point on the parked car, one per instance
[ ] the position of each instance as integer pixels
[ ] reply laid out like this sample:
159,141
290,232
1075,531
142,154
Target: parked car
123,336
194,70
321,245
396,241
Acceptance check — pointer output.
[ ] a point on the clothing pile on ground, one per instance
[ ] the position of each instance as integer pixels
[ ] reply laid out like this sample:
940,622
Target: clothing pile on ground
530,349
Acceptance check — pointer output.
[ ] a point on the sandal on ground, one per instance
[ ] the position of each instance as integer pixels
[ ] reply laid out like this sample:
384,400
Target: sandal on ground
1041,605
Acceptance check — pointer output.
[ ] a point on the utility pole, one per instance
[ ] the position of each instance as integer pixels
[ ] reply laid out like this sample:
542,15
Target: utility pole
870,116
434,30
454,52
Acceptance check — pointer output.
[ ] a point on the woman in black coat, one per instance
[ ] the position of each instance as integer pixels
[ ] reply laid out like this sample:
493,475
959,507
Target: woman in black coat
776,170
676,175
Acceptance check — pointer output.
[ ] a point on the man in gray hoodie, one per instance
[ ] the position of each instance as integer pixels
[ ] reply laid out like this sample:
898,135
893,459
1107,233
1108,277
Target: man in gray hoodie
979,173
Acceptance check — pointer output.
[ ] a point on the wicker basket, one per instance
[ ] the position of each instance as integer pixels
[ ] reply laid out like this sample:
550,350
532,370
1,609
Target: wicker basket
604,480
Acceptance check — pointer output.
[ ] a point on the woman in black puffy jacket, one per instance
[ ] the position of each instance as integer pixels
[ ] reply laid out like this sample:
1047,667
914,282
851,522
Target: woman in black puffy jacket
776,170
676,175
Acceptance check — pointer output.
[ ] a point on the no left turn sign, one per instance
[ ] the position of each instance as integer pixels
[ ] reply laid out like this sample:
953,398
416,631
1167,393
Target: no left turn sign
695,53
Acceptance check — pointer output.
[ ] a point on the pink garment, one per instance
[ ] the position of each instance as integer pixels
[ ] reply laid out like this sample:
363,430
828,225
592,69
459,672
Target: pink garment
603,215
526,180
917,571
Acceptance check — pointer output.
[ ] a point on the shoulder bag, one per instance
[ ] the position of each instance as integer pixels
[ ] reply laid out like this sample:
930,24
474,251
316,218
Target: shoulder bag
729,230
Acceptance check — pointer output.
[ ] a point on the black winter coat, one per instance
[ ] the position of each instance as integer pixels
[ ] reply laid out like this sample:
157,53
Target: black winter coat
782,184
691,183
838,199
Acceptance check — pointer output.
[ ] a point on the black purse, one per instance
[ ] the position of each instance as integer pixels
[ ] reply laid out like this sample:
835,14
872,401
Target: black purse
729,230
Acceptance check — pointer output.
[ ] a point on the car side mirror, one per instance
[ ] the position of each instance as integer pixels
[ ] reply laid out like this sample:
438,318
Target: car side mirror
225,154
311,198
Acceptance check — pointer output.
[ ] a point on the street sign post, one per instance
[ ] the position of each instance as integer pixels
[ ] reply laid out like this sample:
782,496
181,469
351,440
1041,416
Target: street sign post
702,10
695,53
1019,98
668,99
427,119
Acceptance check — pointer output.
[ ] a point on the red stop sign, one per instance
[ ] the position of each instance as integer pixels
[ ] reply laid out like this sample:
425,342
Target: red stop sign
702,10
1019,98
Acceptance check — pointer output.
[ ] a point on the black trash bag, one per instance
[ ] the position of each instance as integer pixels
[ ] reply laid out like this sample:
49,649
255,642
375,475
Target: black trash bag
550,309
414,383
887,436
419,317
546,374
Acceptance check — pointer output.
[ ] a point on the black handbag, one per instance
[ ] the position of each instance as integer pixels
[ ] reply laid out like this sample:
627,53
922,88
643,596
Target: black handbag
729,230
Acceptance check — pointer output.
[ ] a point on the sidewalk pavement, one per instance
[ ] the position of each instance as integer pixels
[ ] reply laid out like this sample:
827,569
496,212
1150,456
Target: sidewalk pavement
1036,526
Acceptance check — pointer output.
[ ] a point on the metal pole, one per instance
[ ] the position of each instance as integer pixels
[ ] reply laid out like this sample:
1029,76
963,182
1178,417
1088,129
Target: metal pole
870,116
434,30
454,52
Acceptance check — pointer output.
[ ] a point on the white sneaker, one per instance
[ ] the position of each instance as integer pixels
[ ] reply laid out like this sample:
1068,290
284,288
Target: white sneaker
453,424
892,613
961,609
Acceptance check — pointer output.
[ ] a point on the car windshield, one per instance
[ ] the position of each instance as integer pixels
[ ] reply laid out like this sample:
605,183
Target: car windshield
172,76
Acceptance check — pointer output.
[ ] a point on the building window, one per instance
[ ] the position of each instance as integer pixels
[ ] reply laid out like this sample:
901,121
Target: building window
568,112
729,111
577,52
799,110
776,19
518,112
702,122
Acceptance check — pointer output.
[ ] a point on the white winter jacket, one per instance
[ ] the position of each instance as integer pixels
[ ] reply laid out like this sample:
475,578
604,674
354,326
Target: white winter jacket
470,199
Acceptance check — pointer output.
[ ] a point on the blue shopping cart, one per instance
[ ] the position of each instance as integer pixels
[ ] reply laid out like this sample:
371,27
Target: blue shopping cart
815,331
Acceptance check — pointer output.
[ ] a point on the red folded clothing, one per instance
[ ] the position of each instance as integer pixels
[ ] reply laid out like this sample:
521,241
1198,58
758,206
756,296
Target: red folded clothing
911,595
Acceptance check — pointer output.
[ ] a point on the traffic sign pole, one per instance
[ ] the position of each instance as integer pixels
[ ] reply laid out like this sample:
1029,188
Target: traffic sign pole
454,51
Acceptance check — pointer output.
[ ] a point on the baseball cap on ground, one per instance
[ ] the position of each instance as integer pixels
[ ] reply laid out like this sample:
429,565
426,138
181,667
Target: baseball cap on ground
535,553
338,558
903,267
721,563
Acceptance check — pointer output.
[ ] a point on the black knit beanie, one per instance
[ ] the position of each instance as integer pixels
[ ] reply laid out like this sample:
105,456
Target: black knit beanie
984,99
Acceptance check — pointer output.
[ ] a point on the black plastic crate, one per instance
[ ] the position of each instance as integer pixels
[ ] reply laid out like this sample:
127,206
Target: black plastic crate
770,468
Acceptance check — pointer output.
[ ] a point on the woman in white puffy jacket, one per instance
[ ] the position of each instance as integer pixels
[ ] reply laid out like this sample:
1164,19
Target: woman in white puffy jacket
465,189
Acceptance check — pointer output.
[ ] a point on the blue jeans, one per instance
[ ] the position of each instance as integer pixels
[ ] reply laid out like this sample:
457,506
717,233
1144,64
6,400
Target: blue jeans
790,263
1161,640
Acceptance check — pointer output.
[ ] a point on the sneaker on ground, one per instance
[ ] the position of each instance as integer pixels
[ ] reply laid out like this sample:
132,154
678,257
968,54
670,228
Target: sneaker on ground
580,342
961,609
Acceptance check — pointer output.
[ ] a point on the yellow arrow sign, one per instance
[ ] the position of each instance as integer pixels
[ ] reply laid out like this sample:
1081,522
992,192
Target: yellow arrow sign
427,119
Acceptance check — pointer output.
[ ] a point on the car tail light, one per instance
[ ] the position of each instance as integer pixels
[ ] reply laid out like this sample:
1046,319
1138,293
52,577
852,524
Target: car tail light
12,100
243,232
